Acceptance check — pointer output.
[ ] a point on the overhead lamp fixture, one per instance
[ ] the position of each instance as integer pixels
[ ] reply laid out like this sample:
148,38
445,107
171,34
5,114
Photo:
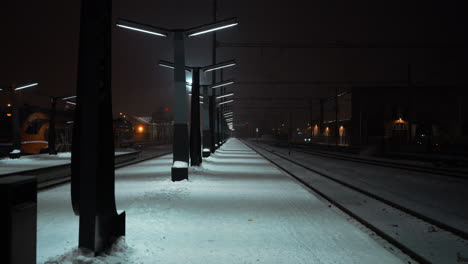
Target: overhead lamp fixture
231,22
226,95
69,97
142,28
72,103
219,66
26,86
171,65
201,97
226,102
221,84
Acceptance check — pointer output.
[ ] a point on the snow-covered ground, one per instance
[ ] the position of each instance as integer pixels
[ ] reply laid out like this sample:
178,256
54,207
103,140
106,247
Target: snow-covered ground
236,208
32,162
437,196
427,241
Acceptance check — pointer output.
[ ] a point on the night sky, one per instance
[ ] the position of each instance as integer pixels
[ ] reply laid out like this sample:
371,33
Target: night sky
40,43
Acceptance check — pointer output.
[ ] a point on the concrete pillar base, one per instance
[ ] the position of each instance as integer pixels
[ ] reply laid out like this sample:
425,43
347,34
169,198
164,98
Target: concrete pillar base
179,174
206,153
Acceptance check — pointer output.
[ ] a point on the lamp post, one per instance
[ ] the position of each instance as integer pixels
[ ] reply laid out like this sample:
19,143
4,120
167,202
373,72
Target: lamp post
195,136
92,167
53,110
223,120
16,152
215,111
179,169
222,117
209,108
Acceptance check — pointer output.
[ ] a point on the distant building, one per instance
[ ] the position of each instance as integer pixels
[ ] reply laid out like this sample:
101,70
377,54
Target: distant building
131,130
420,118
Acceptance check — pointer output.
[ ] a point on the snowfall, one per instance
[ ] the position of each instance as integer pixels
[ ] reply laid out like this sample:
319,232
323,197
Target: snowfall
236,208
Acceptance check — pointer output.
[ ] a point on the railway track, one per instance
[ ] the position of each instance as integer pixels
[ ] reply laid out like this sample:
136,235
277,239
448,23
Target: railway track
459,174
423,238
57,182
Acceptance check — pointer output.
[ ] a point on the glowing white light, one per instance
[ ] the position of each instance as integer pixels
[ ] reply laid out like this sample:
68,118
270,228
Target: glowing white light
166,65
222,96
26,86
221,67
201,97
227,102
72,103
213,29
221,85
69,97
142,30
228,113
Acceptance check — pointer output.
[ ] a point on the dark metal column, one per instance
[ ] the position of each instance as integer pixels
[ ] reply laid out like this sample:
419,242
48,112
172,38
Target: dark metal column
92,185
221,111
206,123
195,136
181,136
212,108
51,136
218,125
15,121
213,91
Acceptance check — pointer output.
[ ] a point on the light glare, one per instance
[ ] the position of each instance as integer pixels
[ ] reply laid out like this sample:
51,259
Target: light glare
226,95
230,101
213,29
165,65
221,85
221,67
142,30
26,86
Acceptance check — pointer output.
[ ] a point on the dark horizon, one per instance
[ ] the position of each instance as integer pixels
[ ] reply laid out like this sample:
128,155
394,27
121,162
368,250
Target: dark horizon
305,47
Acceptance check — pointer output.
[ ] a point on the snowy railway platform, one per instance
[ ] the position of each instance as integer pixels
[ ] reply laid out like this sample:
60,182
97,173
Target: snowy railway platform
51,170
236,208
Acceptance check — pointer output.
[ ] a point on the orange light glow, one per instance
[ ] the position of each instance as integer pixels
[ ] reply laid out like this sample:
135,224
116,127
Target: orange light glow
8,114
140,129
400,120
9,105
